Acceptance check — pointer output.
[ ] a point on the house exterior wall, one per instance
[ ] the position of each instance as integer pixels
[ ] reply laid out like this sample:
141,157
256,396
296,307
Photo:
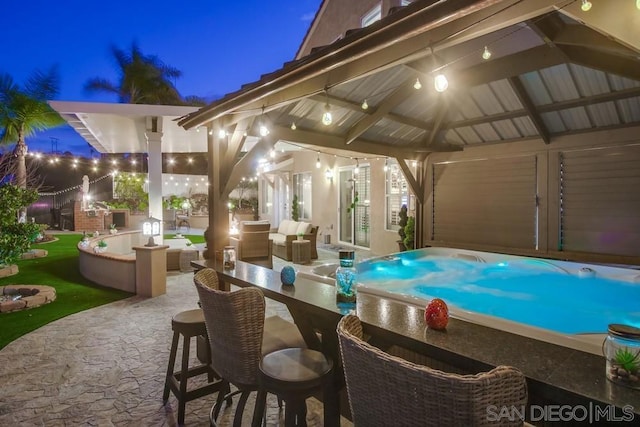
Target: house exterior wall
334,19
548,188
325,201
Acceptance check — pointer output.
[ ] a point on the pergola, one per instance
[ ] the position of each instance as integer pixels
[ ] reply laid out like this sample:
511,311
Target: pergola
554,70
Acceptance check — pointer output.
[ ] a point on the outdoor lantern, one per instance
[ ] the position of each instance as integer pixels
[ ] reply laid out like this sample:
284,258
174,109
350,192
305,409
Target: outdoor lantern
151,227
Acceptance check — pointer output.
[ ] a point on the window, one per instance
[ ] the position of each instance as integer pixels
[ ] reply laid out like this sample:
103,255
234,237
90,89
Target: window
405,2
302,189
267,197
372,16
396,194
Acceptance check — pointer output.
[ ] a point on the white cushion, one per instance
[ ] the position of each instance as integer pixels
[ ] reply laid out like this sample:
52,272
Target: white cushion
284,225
304,228
293,228
278,239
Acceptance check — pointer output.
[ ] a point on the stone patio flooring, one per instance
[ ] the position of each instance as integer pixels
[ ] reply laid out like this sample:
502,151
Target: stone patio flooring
106,366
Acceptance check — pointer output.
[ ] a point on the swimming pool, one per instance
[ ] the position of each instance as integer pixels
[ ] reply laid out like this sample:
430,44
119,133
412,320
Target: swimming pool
561,302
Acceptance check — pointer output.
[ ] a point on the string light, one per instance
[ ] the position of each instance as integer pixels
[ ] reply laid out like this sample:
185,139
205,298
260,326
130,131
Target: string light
327,118
222,133
440,83
318,161
356,170
365,105
264,130
486,54
586,5
417,85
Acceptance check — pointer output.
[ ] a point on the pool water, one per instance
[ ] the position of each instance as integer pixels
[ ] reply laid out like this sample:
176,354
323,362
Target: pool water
567,298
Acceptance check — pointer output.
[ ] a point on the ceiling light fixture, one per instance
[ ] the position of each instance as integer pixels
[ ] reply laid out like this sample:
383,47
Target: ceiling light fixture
486,54
365,105
417,85
586,5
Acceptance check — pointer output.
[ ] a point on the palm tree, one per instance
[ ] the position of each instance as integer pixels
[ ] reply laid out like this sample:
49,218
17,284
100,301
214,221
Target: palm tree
143,79
23,111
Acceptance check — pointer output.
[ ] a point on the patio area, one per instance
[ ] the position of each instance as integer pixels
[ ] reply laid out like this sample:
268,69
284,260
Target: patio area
107,365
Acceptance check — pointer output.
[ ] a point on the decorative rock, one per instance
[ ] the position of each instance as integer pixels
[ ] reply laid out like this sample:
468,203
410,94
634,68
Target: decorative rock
30,297
8,270
288,275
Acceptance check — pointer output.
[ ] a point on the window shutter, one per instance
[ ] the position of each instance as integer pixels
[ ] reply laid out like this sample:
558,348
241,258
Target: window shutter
491,201
600,200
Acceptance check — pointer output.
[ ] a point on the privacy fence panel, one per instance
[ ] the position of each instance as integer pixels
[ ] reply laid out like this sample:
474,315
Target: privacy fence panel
600,200
489,201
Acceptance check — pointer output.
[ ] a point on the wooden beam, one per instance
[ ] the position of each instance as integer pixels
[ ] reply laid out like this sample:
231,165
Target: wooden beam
235,143
509,66
614,64
439,122
529,106
319,139
398,96
416,188
246,165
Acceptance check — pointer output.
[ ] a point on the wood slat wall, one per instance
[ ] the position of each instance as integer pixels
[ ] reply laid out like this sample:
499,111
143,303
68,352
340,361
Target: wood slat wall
491,201
600,200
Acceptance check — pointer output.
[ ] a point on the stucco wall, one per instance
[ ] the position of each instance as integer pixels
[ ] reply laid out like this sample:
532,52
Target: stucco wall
335,19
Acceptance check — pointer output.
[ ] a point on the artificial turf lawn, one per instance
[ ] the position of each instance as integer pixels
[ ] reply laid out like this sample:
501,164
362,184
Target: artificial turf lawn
58,269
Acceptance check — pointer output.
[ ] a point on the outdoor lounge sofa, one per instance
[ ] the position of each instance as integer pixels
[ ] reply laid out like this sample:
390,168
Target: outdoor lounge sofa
287,232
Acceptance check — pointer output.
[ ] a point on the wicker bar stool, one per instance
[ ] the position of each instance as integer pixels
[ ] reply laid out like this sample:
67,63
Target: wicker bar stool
295,374
240,339
188,324
387,390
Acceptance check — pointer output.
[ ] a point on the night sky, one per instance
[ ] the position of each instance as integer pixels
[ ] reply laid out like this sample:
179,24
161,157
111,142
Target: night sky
218,45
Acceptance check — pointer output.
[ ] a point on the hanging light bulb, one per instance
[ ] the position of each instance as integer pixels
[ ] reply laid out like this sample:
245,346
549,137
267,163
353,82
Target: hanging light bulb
586,5
365,105
222,133
264,131
318,162
293,126
386,165
356,170
327,118
441,83
210,131
417,85
272,153
486,54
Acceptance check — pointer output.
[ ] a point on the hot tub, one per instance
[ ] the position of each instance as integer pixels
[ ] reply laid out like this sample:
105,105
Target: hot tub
565,303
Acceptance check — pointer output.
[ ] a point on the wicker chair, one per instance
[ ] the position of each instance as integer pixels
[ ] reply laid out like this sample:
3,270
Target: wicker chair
239,337
386,390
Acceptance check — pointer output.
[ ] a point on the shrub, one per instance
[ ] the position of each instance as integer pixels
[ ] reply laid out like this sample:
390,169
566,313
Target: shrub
295,213
15,237
409,232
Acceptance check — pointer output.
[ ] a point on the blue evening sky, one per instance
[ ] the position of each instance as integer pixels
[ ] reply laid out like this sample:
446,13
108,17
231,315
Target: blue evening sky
218,45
